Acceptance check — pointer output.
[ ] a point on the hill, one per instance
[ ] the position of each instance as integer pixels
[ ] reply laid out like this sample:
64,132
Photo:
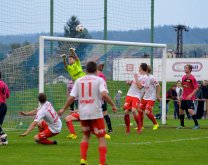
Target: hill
163,34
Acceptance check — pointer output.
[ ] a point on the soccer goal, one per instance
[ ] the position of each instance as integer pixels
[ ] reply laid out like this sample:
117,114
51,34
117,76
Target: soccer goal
39,68
121,59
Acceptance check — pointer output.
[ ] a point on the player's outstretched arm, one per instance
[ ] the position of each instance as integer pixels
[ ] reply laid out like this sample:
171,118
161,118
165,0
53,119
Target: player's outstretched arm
63,56
31,113
107,98
72,51
69,101
158,89
30,128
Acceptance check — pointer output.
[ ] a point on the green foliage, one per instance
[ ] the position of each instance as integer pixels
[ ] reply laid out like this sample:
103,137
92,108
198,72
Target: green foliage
70,31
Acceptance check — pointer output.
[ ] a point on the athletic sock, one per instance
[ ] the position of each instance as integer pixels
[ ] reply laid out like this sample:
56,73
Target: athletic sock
127,121
1,131
83,150
102,152
108,122
136,118
70,127
141,118
152,118
182,119
195,120
46,141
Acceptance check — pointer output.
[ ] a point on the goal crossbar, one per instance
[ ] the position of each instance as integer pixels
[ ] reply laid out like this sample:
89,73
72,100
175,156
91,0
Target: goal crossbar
105,42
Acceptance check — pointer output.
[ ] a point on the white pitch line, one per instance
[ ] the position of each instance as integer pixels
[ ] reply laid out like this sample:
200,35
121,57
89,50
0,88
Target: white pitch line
158,142
121,143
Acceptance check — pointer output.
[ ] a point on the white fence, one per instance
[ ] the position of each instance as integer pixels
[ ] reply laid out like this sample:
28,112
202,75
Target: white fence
124,68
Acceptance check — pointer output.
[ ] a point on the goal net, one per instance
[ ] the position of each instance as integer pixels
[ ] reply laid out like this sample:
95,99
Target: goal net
32,69
121,59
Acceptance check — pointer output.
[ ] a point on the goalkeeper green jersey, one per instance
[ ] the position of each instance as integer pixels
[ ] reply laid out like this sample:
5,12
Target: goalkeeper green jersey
75,70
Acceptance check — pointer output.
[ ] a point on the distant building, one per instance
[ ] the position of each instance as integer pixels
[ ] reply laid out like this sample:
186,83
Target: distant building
59,78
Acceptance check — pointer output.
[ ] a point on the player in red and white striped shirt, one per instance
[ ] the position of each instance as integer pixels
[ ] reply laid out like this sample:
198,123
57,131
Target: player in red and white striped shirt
90,90
46,119
151,93
133,97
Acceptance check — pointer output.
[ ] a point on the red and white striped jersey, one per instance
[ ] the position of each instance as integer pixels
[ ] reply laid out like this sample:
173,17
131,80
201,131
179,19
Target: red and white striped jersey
89,89
50,116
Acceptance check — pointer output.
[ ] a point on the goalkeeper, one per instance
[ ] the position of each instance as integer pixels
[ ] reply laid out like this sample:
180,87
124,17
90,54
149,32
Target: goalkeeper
74,68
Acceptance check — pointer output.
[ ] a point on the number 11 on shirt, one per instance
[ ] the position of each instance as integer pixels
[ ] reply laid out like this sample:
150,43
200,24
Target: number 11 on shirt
89,89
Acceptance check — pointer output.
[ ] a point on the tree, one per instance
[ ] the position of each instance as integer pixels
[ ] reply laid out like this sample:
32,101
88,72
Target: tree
15,45
70,31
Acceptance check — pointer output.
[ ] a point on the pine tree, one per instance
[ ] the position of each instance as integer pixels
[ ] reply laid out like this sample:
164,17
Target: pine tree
70,31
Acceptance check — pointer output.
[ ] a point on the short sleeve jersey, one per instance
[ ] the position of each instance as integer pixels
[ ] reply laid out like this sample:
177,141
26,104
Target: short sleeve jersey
89,89
75,70
150,90
50,116
100,74
134,91
4,92
189,84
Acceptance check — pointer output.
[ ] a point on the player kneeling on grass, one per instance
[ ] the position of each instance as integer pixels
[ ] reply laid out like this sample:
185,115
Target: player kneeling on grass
46,119
90,91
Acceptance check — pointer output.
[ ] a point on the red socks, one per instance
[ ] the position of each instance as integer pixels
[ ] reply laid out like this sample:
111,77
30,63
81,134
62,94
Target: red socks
46,141
136,118
102,151
83,150
70,127
141,118
127,122
151,117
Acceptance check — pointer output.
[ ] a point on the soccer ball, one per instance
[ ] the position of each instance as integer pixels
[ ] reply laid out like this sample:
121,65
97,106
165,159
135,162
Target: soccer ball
79,28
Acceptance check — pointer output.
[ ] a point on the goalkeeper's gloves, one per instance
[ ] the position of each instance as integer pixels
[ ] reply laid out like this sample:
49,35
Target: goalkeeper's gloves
63,56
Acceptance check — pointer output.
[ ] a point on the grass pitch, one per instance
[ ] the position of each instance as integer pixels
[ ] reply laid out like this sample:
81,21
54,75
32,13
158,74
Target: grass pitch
166,146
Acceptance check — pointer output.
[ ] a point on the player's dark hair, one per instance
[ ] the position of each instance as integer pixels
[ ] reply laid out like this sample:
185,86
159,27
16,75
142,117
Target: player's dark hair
149,69
91,67
42,97
100,67
144,66
179,81
190,67
0,74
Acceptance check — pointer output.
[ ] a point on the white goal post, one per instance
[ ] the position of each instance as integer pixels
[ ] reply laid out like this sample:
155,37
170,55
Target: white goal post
42,39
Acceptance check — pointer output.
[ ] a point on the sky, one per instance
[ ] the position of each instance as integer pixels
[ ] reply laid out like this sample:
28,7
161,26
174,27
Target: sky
192,13
33,16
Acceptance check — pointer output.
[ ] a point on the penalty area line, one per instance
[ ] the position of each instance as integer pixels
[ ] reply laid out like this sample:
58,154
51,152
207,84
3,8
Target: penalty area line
160,141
